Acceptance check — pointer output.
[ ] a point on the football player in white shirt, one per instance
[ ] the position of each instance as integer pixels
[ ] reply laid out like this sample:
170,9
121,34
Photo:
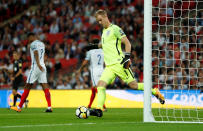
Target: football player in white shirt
96,59
37,72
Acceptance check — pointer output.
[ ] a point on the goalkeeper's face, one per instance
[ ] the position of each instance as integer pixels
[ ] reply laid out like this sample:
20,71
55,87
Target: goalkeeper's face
102,20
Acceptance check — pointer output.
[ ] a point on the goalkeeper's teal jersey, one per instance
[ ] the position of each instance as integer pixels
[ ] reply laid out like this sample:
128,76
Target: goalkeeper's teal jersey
111,44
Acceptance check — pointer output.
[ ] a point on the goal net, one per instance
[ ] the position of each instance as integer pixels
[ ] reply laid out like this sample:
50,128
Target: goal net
175,48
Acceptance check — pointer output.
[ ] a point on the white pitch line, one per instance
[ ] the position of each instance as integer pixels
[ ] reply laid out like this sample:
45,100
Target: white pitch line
36,113
66,124
43,113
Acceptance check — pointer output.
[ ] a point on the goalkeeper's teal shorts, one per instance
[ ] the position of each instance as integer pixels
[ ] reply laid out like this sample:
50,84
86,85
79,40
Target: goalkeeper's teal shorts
112,71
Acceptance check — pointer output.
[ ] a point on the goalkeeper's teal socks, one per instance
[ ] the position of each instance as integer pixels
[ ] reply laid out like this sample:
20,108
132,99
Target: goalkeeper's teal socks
141,87
101,96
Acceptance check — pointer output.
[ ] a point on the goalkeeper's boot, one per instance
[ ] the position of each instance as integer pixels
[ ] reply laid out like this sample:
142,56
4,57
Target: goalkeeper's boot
159,96
15,108
96,112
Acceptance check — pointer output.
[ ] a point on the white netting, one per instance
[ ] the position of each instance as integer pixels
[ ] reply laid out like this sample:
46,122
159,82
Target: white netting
177,59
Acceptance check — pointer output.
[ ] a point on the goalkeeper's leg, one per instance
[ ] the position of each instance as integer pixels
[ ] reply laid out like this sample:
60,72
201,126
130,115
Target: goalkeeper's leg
107,76
155,92
101,90
127,76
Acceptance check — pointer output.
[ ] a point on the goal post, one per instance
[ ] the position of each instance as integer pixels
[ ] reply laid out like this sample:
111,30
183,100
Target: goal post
173,60
148,117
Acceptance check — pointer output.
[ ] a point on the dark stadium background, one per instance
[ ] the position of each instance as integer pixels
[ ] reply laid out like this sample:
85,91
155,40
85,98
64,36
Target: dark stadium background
65,26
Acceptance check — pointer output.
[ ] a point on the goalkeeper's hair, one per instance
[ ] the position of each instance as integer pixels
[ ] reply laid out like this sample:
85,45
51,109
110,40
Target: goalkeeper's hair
100,12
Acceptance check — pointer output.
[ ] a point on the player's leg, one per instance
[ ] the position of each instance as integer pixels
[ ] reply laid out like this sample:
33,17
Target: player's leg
93,88
32,77
93,94
25,94
95,76
155,92
23,97
14,91
47,96
43,81
16,83
101,94
92,97
127,76
106,78
109,83
16,95
140,86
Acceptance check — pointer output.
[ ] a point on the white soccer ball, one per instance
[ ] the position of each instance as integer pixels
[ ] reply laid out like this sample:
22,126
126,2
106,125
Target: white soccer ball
82,112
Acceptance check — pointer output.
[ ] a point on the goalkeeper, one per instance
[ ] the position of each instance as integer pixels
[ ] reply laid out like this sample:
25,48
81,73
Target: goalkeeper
117,62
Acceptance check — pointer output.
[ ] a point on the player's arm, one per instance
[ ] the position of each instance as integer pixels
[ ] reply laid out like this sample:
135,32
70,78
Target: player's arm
121,35
84,63
127,44
126,60
20,70
92,46
36,55
19,73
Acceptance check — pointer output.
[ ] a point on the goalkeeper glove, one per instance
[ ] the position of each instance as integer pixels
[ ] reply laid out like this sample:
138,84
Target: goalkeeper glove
126,61
90,47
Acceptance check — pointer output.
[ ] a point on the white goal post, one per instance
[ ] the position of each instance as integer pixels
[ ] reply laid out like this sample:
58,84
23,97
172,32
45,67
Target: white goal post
173,60
147,113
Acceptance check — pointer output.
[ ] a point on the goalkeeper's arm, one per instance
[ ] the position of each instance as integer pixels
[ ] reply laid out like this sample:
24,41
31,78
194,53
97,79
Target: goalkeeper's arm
126,60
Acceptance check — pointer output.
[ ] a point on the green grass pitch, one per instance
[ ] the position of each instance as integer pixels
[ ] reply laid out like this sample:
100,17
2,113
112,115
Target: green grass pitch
64,119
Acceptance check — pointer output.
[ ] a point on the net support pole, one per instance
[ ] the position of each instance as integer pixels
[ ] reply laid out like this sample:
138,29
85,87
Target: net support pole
147,113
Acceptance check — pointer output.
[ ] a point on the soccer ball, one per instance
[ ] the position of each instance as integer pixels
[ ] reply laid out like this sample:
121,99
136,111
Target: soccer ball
82,112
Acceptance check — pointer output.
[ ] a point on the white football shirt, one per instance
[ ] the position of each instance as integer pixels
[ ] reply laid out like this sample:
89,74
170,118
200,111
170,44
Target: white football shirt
40,48
96,58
